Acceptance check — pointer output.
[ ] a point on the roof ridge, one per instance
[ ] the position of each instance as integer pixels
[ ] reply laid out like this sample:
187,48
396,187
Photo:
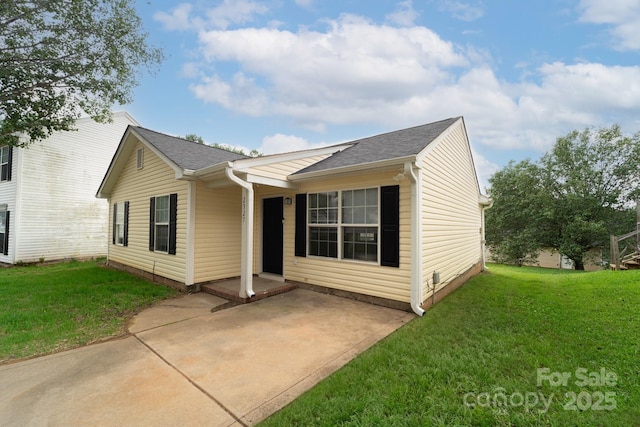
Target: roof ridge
204,144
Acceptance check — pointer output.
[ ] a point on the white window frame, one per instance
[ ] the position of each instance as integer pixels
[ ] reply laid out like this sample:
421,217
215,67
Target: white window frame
4,159
119,213
3,225
342,224
158,225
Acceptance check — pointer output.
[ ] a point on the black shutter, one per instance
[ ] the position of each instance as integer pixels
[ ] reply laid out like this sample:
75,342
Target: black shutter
173,214
126,224
301,225
152,222
390,218
115,222
6,234
10,165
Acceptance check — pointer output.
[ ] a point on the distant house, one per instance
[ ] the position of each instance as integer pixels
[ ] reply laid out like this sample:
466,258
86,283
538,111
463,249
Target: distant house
550,258
396,217
48,209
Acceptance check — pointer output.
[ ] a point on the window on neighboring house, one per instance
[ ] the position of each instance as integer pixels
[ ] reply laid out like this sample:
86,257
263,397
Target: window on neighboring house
162,224
4,232
6,155
121,224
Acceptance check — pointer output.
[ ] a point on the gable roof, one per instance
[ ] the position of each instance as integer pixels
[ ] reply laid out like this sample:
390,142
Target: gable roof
188,155
386,146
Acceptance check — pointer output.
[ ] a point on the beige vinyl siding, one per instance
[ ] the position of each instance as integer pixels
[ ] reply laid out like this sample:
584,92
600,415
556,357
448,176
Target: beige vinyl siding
156,178
451,218
282,170
218,232
354,276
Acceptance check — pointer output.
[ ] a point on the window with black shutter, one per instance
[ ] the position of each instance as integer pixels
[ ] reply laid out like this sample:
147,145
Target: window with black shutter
163,212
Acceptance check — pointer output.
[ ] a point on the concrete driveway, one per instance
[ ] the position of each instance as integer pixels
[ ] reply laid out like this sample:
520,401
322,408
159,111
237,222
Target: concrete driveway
186,365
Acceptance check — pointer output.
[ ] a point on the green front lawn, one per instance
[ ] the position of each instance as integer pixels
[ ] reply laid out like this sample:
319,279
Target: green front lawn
44,309
476,359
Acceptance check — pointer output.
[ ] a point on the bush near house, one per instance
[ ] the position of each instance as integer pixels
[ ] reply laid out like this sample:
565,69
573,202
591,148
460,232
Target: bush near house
44,309
514,347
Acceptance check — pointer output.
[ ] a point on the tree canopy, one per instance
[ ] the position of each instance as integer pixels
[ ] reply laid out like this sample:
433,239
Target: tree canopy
62,58
198,139
578,193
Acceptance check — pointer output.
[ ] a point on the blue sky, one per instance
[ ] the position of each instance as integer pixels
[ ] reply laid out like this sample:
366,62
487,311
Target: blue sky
282,75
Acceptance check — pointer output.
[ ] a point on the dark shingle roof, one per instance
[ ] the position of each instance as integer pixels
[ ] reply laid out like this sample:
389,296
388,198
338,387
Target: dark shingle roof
187,154
387,146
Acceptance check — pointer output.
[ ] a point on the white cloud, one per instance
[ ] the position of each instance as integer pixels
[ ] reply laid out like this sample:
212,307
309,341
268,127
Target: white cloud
227,13
178,19
235,12
484,169
280,143
405,16
464,11
623,16
345,74
304,3
355,71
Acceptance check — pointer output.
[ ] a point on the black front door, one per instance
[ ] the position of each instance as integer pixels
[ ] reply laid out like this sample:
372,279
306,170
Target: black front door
272,216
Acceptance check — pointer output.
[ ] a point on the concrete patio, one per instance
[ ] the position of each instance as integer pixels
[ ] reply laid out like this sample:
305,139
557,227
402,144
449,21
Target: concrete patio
186,365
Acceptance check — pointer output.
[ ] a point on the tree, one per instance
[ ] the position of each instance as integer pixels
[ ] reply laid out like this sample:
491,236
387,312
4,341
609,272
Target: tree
62,58
194,138
579,192
514,221
197,138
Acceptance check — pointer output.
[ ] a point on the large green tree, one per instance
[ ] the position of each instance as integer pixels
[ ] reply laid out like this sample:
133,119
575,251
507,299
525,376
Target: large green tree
579,192
62,58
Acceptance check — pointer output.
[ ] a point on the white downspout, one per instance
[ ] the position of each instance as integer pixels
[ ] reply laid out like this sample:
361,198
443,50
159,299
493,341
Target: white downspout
486,203
246,257
416,241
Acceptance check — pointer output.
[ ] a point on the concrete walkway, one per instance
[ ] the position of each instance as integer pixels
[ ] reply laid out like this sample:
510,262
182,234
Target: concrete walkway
185,365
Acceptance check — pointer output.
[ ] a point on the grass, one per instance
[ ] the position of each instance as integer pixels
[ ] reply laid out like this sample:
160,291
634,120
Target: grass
473,359
44,309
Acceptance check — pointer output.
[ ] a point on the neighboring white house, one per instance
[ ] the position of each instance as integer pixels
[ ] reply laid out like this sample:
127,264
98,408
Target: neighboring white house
48,209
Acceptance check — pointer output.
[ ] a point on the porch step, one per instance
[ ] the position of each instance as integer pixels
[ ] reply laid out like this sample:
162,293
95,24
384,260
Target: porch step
265,291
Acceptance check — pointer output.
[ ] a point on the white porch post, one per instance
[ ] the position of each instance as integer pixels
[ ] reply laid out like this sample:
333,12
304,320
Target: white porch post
246,263
246,255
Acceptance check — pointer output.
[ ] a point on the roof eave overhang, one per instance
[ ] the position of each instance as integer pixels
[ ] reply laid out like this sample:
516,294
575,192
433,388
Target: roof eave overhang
361,167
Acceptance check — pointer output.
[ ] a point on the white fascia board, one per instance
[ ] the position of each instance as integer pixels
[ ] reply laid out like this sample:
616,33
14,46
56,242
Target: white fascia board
220,167
398,161
116,165
243,165
272,182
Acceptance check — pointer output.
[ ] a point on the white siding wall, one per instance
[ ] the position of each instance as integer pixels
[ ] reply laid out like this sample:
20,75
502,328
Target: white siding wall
365,278
156,178
8,196
59,215
451,219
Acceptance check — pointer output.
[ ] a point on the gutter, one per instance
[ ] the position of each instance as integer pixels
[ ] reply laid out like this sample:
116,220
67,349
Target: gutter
416,241
486,203
246,258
